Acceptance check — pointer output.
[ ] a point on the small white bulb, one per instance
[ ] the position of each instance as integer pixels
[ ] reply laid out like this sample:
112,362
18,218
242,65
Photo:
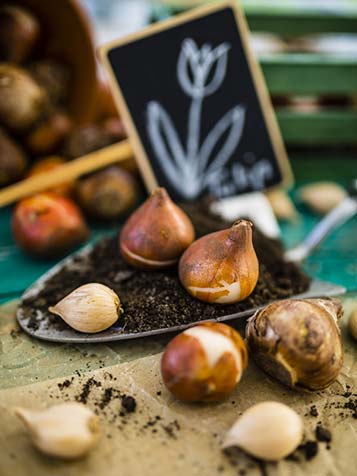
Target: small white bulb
267,430
90,308
68,430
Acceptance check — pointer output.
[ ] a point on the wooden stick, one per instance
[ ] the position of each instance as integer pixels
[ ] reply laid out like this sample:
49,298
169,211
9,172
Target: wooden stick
66,172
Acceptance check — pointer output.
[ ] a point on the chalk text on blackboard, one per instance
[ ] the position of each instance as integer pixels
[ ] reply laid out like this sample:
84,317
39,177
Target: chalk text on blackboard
241,177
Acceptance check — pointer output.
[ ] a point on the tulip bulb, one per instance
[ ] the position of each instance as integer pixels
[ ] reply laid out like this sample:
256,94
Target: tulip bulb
68,430
157,233
49,133
221,267
107,194
298,341
19,32
54,77
267,430
48,225
13,161
22,100
90,308
52,162
352,322
204,363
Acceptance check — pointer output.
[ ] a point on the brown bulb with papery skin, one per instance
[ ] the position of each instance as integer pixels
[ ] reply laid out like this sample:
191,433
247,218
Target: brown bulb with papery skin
19,32
221,267
54,77
107,194
204,363
48,225
298,341
157,233
47,164
13,161
49,133
22,100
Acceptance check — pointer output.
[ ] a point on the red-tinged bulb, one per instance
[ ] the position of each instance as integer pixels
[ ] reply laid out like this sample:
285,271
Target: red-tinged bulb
204,363
157,233
48,225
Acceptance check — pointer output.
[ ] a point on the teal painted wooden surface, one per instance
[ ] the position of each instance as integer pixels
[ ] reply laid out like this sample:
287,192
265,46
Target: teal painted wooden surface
325,127
336,260
18,270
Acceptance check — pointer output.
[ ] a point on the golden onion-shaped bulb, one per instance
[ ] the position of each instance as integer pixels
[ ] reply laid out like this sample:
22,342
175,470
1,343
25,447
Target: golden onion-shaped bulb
22,99
157,233
221,267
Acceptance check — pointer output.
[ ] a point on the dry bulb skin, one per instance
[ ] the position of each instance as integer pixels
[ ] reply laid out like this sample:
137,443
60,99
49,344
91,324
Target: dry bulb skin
267,430
221,267
90,308
49,133
157,233
204,363
68,430
298,342
107,194
48,224
322,197
22,100
352,322
55,78
19,31
13,161
46,164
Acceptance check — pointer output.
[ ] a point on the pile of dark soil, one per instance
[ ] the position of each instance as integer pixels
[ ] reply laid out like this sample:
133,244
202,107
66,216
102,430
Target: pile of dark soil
156,299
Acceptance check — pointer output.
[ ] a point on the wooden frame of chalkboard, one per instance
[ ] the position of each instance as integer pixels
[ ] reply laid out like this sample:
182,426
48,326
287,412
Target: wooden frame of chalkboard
182,181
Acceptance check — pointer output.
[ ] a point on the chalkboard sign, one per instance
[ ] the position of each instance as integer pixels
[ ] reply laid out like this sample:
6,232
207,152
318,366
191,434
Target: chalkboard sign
195,105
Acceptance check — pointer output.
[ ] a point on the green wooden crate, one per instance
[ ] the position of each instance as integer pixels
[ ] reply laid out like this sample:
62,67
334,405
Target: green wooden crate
310,74
307,74
285,17
336,127
293,18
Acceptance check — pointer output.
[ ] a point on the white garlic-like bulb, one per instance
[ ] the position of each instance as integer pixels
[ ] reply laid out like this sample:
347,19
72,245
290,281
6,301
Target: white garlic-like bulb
90,308
68,430
267,430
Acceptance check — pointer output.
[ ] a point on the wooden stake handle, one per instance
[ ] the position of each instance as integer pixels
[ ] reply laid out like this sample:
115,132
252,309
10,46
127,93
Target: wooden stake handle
66,172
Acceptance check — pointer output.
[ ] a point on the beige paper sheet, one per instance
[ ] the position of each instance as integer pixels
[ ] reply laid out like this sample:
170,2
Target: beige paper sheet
185,440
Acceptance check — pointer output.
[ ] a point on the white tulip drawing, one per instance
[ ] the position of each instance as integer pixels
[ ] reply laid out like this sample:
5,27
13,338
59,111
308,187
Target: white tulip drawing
199,63
190,166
